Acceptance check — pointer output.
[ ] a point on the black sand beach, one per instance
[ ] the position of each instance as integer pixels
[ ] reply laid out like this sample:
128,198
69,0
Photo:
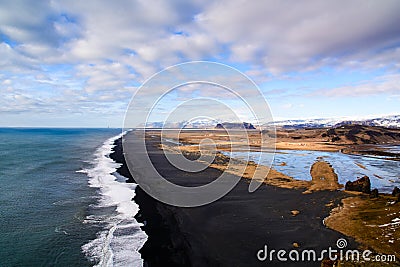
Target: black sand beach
230,231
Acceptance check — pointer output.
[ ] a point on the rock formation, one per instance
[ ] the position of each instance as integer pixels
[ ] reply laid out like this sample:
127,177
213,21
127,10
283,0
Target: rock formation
362,184
396,191
374,193
230,125
323,177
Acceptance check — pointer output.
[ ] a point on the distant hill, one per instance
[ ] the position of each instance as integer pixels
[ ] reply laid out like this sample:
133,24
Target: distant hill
386,121
201,124
340,135
196,124
230,125
364,134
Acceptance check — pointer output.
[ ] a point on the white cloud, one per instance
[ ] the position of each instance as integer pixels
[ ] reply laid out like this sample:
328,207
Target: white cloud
104,77
110,47
287,35
26,22
287,106
387,84
278,36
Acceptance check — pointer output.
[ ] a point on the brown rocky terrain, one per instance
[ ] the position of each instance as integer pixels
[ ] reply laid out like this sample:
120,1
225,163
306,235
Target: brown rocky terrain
323,177
374,223
371,218
358,139
348,138
345,134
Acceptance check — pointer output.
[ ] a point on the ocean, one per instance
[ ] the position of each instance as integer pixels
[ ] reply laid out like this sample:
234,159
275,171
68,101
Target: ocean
61,202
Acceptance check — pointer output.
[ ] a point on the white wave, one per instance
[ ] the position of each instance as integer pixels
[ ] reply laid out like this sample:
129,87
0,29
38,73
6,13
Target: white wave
119,243
60,230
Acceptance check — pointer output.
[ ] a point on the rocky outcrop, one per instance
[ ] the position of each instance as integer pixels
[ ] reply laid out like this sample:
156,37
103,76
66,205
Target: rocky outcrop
374,193
323,177
362,184
230,125
396,191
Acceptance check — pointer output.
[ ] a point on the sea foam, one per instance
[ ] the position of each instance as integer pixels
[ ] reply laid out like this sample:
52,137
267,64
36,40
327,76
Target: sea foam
120,239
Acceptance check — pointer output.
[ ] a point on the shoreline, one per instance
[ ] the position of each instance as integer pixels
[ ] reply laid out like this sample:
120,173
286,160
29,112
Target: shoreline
157,225
219,235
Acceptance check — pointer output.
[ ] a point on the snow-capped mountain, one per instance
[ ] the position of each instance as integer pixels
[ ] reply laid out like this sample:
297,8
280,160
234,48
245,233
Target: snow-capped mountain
388,121
193,124
307,123
392,121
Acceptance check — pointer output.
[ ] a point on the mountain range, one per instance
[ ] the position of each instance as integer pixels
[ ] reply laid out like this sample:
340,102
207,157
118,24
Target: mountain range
392,121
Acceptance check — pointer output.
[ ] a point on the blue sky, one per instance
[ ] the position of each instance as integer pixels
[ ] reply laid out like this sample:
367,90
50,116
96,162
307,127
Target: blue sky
78,63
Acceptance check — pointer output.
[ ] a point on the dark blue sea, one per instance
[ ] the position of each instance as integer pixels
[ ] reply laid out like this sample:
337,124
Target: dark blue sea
61,202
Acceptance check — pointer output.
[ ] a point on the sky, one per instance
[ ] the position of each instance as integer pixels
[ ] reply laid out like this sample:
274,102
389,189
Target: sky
79,63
